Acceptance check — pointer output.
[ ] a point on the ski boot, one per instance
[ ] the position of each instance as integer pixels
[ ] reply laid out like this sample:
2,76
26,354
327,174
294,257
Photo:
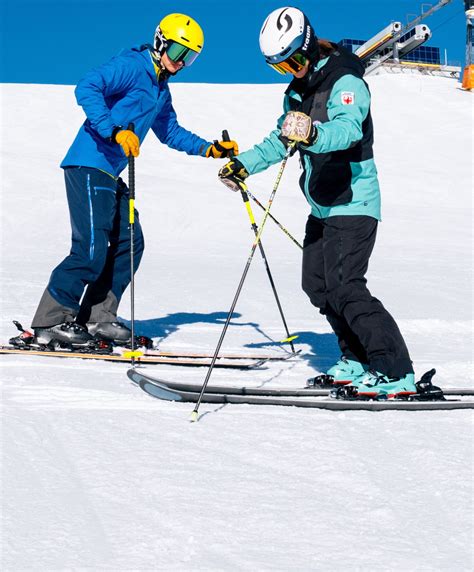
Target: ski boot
376,385
344,372
118,334
69,336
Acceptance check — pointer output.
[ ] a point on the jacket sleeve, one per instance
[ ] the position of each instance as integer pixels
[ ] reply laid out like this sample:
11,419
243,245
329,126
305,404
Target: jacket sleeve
169,132
270,151
113,77
347,108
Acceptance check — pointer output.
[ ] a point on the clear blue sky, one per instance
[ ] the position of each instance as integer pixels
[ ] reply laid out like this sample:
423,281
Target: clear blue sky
57,41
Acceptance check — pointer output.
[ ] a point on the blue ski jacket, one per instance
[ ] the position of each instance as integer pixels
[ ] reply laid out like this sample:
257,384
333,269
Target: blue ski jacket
122,91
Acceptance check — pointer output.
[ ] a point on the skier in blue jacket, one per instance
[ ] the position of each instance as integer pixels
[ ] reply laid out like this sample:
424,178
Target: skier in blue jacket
327,115
130,88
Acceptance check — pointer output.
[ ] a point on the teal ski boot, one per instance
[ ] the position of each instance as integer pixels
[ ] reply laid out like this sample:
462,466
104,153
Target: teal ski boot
375,385
344,372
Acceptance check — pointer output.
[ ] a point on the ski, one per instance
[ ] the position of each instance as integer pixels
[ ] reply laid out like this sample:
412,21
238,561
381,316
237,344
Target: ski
25,341
203,354
241,363
311,398
267,391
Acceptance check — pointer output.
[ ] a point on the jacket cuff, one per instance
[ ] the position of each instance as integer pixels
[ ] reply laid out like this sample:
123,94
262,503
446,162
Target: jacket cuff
115,130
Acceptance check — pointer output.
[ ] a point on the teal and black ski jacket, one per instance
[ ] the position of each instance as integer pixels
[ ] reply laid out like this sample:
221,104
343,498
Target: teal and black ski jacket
339,174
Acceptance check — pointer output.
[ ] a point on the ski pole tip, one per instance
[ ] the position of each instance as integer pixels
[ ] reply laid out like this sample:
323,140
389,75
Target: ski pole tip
194,417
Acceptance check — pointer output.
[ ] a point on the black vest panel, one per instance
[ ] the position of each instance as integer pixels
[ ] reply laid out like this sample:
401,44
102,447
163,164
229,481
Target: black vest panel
331,174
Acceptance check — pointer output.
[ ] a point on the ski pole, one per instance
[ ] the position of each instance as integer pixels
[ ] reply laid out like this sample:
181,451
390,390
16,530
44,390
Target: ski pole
195,413
289,339
288,234
132,354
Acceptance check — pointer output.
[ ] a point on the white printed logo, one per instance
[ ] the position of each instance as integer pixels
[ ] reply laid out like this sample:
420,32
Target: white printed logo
347,98
307,39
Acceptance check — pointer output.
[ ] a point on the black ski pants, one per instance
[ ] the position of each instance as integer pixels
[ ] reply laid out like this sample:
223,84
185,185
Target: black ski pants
336,256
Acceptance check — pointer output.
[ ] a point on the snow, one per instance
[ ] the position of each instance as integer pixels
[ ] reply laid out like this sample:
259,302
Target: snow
99,476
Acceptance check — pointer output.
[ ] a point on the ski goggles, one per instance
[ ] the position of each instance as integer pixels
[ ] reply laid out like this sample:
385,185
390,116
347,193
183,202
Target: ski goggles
179,53
294,64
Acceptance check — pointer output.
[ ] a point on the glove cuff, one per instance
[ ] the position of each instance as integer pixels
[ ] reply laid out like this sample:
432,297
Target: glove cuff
115,130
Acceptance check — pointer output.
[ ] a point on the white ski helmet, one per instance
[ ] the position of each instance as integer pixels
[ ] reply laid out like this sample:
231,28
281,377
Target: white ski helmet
287,31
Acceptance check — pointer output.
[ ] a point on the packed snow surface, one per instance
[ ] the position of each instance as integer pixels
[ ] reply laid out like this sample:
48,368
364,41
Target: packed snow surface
99,476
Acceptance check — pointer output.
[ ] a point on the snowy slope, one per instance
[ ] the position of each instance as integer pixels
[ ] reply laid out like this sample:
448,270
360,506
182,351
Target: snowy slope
98,476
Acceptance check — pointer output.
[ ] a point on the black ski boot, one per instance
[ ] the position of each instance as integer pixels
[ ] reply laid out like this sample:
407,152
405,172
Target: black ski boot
67,335
117,333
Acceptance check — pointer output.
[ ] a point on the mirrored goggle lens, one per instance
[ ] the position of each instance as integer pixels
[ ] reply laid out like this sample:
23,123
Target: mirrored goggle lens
293,64
179,53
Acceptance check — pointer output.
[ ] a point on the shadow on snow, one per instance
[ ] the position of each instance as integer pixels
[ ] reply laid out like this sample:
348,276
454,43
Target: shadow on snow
322,351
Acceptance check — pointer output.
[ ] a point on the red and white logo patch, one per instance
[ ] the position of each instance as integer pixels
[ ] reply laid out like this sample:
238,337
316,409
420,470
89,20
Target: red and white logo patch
347,98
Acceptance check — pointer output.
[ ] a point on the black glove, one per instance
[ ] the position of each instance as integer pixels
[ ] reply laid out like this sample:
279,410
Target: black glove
233,175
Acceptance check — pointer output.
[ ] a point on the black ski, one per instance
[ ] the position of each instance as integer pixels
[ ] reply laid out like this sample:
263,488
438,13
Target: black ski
310,398
266,391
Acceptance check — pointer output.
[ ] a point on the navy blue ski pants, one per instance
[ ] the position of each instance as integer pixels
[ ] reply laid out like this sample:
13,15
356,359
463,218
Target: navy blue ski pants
100,251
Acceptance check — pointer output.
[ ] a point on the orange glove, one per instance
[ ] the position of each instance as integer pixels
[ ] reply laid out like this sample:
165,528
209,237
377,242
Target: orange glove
129,142
221,149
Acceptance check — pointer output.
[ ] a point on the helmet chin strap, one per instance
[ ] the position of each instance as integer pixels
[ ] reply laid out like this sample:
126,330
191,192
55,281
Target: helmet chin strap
161,72
156,56
159,48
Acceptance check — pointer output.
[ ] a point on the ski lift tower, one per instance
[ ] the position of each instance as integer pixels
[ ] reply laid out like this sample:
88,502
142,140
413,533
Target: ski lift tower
468,76
372,48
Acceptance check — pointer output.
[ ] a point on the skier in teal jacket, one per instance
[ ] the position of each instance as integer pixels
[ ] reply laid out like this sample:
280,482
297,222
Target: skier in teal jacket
81,300
327,115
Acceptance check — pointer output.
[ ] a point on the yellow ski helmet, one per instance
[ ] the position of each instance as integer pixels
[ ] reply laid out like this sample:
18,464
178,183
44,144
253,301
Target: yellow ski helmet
180,37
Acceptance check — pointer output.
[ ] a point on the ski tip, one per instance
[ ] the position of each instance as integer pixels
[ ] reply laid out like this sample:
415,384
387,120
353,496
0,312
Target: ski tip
194,417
